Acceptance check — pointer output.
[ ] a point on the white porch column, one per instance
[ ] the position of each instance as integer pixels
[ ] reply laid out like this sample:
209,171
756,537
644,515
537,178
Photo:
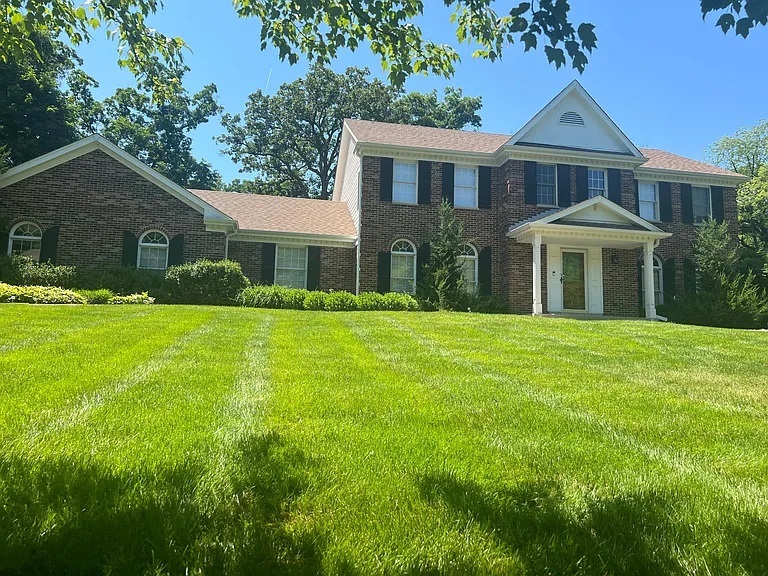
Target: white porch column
648,290
537,307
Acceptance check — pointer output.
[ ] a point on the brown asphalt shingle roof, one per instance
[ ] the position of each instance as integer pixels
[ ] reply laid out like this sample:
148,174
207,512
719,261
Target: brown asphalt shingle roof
426,137
260,213
662,160
481,142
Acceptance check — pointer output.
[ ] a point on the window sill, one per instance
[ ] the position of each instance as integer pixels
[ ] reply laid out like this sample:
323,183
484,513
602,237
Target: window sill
466,208
404,203
547,206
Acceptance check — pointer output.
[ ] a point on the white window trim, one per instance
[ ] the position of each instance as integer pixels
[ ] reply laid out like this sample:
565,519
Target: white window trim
555,205
12,236
167,249
709,194
605,181
475,260
657,214
415,261
306,262
416,184
657,264
477,186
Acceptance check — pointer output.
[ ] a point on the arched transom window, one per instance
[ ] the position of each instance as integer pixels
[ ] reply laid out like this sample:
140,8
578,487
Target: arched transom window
468,261
153,251
403,267
25,240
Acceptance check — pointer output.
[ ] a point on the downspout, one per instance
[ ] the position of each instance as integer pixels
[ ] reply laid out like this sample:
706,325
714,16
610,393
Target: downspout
359,219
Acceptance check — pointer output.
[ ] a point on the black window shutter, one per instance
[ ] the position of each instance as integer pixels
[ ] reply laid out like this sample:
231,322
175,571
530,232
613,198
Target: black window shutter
484,278
313,268
382,280
268,263
687,203
4,239
563,185
529,182
425,182
614,185
130,249
176,250
385,179
637,197
423,255
582,186
448,182
718,210
668,271
689,276
484,187
665,201
48,244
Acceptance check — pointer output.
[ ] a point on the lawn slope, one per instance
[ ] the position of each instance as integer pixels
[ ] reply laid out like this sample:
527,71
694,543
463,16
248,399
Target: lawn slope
221,440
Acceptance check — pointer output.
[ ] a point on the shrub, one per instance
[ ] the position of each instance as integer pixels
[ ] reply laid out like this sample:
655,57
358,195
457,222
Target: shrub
39,295
400,302
315,300
142,298
485,304
205,282
24,271
100,296
122,280
340,301
272,297
371,301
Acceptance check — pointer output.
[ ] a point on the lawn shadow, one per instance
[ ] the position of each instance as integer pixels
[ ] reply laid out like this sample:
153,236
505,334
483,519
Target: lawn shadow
68,516
629,534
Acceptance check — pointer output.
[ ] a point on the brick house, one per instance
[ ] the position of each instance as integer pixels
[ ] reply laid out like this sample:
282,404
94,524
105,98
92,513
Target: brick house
565,216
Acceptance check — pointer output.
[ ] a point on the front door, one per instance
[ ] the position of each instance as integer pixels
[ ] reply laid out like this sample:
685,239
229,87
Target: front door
574,281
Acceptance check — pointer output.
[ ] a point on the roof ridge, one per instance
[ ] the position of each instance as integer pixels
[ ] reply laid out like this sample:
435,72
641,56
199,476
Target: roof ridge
422,127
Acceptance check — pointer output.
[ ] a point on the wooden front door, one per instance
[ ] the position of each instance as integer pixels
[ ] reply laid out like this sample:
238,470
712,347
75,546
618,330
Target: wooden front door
574,281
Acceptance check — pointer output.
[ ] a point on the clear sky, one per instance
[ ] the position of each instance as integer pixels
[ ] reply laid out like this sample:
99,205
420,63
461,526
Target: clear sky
666,78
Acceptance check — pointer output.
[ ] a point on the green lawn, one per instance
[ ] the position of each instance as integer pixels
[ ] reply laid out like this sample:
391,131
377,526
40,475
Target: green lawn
209,440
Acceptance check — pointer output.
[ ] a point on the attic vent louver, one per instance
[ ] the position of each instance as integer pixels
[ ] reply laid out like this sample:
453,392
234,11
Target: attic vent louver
571,119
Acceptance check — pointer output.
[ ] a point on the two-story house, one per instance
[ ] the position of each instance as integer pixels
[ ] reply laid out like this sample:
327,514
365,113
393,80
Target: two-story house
565,216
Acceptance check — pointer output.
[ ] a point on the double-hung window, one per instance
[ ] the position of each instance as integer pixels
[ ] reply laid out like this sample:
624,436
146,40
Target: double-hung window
596,183
546,185
702,204
291,266
468,261
402,274
153,251
404,178
648,196
25,240
464,187
658,280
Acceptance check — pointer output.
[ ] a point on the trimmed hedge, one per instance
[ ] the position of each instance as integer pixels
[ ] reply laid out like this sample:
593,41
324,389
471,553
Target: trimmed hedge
23,271
121,280
205,282
104,296
39,295
299,299
142,298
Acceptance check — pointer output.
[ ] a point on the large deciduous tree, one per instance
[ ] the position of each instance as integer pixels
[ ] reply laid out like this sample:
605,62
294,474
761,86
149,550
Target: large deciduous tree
292,138
36,115
157,132
744,152
319,29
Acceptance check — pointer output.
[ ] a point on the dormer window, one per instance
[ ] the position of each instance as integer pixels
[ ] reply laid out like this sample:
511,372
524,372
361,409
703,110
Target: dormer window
571,119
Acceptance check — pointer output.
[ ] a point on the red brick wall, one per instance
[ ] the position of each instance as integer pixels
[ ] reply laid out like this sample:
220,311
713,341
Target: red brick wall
248,254
94,199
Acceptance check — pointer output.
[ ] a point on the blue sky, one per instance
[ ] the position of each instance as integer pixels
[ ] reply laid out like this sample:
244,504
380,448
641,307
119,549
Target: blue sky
666,78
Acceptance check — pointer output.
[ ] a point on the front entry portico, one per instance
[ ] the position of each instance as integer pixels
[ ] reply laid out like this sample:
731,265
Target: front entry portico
575,238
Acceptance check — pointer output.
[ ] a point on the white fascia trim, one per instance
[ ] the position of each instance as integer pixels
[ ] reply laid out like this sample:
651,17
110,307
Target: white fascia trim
529,229
575,86
603,201
580,157
662,175
295,238
97,142
348,141
433,154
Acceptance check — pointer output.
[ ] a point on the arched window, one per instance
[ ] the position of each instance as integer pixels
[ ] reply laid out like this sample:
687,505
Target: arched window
153,251
402,274
25,240
658,279
468,260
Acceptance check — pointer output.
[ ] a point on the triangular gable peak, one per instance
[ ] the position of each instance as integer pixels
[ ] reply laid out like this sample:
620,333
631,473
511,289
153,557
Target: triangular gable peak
214,218
573,120
598,211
